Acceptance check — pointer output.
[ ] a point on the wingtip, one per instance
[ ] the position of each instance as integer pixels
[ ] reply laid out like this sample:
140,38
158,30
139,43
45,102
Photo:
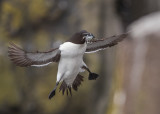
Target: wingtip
16,55
122,37
126,35
10,44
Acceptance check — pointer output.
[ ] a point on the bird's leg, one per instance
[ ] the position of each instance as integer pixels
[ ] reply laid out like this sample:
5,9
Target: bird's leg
92,76
53,91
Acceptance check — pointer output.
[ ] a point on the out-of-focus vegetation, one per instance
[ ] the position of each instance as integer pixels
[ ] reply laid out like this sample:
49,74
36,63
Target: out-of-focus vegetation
44,24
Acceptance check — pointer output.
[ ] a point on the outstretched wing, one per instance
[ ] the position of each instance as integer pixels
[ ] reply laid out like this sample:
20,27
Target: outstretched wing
101,44
23,58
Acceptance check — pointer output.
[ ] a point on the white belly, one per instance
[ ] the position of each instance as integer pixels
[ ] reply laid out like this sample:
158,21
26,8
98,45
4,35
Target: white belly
70,62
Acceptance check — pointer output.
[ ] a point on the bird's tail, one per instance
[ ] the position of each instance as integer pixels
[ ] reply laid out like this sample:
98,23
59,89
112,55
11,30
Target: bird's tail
77,82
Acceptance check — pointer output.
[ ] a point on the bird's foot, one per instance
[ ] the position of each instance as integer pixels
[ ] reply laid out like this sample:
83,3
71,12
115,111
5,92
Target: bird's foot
93,76
52,93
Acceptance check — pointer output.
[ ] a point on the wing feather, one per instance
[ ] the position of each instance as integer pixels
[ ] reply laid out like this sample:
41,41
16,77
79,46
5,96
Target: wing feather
101,44
23,58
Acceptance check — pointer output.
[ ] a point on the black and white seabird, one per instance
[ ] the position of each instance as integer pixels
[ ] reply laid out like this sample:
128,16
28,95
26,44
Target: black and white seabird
69,56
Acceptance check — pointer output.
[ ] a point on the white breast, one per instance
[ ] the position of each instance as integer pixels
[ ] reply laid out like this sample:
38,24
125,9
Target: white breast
71,61
71,50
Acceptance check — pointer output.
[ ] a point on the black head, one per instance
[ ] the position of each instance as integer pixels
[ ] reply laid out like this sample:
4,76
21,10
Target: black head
81,37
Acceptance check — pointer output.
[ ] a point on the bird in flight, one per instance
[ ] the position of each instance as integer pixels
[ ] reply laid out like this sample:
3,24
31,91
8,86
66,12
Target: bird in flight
69,57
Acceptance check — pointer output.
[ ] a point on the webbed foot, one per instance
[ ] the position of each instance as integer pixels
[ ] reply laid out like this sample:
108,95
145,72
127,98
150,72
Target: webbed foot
93,76
52,93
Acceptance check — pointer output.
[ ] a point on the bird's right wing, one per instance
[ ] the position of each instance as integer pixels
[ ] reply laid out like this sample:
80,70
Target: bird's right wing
23,58
101,44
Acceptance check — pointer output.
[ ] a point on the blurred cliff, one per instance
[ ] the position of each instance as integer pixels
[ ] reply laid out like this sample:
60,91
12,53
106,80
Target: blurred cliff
129,80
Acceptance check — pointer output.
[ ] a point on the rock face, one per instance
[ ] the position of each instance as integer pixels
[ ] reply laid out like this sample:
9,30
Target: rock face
139,89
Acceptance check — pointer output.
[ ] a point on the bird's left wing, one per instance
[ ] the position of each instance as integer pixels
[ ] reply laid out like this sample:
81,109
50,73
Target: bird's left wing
100,44
23,58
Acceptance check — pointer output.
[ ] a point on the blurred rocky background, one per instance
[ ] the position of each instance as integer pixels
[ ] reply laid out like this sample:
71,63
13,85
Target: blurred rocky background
129,81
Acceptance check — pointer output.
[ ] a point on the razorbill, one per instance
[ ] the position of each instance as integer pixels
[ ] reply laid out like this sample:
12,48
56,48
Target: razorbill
69,57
